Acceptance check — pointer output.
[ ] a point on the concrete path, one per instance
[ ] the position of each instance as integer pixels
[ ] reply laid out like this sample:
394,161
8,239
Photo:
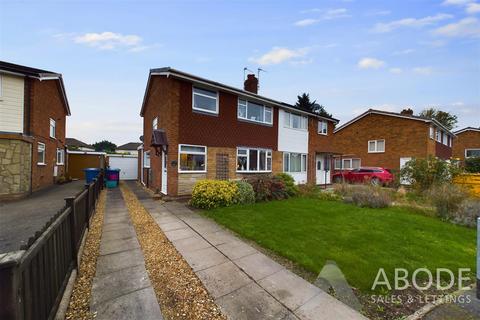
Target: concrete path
20,219
121,287
245,283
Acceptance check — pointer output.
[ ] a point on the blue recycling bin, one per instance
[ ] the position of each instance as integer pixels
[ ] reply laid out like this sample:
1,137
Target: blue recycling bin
91,173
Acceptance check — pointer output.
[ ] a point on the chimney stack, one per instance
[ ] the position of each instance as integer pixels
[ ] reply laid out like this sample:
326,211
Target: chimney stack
407,112
251,84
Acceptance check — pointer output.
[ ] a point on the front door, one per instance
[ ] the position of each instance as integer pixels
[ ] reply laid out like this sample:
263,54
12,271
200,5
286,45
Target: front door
323,169
164,173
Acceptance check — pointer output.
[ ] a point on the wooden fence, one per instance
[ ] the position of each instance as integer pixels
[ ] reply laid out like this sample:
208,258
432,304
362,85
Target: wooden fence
471,181
32,281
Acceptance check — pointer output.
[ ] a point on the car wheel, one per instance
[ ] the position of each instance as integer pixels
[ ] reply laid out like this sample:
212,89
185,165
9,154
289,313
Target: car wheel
375,181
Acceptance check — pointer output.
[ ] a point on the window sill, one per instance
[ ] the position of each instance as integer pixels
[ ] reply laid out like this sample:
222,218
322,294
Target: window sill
322,134
183,171
255,122
268,171
41,164
205,112
60,164
376,151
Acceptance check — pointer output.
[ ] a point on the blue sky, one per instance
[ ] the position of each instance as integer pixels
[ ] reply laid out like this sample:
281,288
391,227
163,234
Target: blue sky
349,55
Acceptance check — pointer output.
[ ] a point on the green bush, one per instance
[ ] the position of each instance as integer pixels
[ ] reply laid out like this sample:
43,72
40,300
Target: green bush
245,193
472,165
328,195
447,199
209,194
268,188
423,173
290,186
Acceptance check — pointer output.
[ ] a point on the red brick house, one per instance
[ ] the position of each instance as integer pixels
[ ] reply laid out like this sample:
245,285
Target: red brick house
388,139
467,143
195,128
33,108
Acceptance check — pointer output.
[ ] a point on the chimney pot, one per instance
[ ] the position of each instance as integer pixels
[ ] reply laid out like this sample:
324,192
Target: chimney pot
251,84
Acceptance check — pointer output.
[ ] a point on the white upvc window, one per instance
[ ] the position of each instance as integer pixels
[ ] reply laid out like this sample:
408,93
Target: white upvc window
472,153
323,127
438,135
60,156
53,125
41,153
432,133
255,112
205,100
450,139
146,159
445,139
294,162
155,123
295,121
192,158
376,146
254,160
348,163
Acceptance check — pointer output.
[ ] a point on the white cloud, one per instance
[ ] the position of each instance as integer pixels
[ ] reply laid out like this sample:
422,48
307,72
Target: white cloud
458,104
335,14
110,40
455,2
328,14
370,63
278,55
305,22
402,52
424,71
395,70
410,22
473,8
467,27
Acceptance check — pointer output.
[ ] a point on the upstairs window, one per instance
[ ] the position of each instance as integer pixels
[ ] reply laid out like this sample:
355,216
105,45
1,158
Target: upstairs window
155,123
254,112
445,139
52,128
60,156
146,159
205,100
376,146
192,158
254,160
295,121
323,127
438,136
41,153
432,133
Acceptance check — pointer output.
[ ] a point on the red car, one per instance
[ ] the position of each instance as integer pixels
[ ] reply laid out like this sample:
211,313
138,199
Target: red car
374,175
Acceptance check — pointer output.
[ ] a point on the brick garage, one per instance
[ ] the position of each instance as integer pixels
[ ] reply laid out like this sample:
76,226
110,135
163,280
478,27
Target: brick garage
467,138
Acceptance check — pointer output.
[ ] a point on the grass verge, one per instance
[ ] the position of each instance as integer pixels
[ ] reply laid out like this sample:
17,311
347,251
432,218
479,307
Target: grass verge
79,305
179,291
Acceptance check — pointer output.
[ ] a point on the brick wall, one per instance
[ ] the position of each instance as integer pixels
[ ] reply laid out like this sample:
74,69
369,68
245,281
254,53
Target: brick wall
465,140
318,143
403,138
46,102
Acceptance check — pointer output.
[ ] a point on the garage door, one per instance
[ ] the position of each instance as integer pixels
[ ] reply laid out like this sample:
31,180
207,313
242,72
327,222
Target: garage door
128,167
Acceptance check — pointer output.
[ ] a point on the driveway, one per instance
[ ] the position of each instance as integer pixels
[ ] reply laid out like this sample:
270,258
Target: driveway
20,219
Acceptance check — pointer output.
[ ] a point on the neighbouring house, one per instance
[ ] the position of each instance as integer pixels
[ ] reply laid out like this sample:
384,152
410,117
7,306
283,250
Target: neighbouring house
75,144
77,161
467,143
386,139
194,128
128,148
33,110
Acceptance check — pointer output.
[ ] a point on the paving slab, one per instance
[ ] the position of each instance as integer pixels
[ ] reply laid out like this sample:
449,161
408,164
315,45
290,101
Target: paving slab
113,246
169,226
219,237
120,260
223,279
117,226
119,283
179,234
191,244
289,288
204,258
236,249
140,304
324,307
118,234
251,302
258,266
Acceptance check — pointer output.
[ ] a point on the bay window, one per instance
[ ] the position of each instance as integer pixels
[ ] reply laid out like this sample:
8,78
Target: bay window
294,162
295,121
254,160
192,158
205,100
254,112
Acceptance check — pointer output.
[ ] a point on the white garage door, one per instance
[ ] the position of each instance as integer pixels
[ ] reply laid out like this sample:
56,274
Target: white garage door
128,167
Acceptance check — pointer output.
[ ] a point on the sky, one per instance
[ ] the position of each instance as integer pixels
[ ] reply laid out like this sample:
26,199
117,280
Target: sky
349,55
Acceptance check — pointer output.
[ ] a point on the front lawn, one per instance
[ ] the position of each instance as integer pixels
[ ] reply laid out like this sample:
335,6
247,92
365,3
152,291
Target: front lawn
360,240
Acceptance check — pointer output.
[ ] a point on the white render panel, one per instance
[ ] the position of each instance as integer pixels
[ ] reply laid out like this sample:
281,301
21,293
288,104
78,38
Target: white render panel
11,103
291,140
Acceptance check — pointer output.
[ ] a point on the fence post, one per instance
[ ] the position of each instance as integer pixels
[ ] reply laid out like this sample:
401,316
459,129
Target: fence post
87,204
11,296
71,203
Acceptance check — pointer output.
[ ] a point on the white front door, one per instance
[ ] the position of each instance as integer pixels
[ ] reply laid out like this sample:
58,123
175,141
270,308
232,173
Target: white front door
322,169
164,173
403,161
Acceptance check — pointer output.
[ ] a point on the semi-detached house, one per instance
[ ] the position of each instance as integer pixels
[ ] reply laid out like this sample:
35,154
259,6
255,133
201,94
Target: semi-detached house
194,129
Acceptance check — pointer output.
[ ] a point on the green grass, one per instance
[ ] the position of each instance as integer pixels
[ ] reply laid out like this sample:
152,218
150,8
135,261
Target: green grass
360,240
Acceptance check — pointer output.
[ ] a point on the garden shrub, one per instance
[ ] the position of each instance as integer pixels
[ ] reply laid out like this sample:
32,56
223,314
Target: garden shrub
369,196
343,189
268,188
328,195
467,213
308,190
472,165
290,186
209,194
447,199
245,193
423,173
